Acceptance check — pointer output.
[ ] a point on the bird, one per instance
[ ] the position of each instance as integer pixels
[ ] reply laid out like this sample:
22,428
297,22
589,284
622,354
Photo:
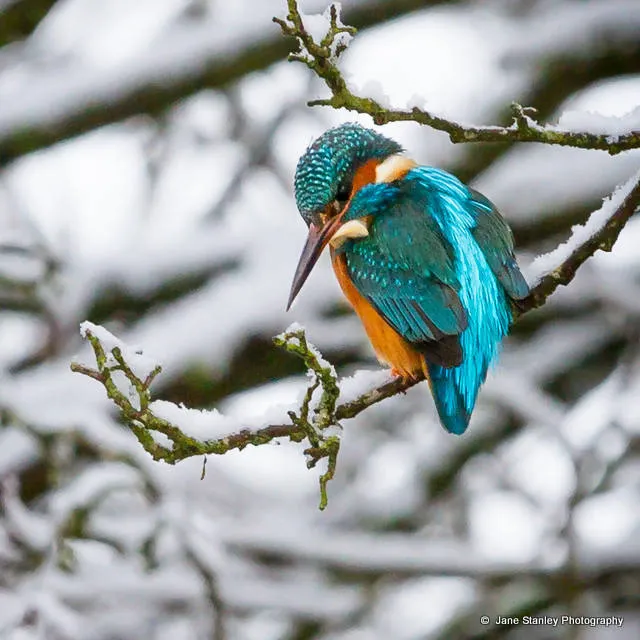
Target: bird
426,262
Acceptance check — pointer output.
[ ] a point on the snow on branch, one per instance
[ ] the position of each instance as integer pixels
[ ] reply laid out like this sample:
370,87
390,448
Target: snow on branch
320,55
171,433
193,58
601,231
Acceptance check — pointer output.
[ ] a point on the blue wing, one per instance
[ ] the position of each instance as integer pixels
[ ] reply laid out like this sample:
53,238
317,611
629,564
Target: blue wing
406,269
495,239
439,266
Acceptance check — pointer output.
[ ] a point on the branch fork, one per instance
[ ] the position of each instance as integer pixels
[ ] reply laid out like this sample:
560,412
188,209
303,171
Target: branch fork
312,422
323,375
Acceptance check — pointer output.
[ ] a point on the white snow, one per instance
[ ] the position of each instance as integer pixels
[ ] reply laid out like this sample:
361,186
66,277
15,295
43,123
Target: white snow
581,233
593,122
140,365
17,449
201,425
609,520
206,190
568,29
316,24
319,25
505,527
362,381
296,327
468,50
45,100
93,485
33,529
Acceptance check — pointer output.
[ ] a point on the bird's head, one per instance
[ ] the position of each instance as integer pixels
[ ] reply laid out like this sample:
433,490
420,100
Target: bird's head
336,165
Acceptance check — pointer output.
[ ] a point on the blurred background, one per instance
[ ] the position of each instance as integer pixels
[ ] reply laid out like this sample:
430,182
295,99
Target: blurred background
147,153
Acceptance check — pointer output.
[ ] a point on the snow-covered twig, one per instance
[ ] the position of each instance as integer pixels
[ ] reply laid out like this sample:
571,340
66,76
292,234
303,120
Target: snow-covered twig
171,443
319,410
318,57
601,231
312,421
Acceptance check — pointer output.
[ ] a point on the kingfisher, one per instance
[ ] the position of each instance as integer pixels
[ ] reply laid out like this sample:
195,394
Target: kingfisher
426,262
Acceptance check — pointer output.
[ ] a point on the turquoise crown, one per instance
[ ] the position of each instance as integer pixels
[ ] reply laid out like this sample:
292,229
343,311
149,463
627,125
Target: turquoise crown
325,171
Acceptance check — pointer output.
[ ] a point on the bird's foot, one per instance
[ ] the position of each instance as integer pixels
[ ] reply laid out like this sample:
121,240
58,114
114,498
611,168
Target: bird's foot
404,376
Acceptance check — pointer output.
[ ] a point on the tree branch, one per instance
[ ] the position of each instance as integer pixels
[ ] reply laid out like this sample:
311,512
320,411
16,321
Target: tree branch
150,86
603,237
20,19
320,410
322,57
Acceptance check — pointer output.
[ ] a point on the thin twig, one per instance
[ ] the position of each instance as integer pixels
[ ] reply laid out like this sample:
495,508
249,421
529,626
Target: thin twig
603,239
312,420
321,58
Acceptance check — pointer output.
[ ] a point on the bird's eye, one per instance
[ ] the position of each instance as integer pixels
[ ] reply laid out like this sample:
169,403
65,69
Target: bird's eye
342,197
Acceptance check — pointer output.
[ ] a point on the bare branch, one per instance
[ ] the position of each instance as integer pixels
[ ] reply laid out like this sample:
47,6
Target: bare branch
523,129
320,409
313,419
174,73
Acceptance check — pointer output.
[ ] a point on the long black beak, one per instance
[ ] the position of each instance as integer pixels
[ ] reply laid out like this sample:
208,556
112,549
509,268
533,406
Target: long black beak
317,240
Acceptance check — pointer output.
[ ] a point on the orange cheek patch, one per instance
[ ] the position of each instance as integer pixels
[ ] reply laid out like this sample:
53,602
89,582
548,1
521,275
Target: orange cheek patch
365,174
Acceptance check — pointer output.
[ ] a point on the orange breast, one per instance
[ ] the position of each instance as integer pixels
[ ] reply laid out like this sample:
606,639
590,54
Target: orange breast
390,347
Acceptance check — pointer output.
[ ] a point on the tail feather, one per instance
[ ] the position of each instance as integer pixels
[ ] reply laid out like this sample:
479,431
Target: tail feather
453,405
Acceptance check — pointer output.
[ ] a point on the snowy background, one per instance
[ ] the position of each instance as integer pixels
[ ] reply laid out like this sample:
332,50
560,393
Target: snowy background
147,156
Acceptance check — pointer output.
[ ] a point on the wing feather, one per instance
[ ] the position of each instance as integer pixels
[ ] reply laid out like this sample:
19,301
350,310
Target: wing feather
495,239
408,270
405,268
